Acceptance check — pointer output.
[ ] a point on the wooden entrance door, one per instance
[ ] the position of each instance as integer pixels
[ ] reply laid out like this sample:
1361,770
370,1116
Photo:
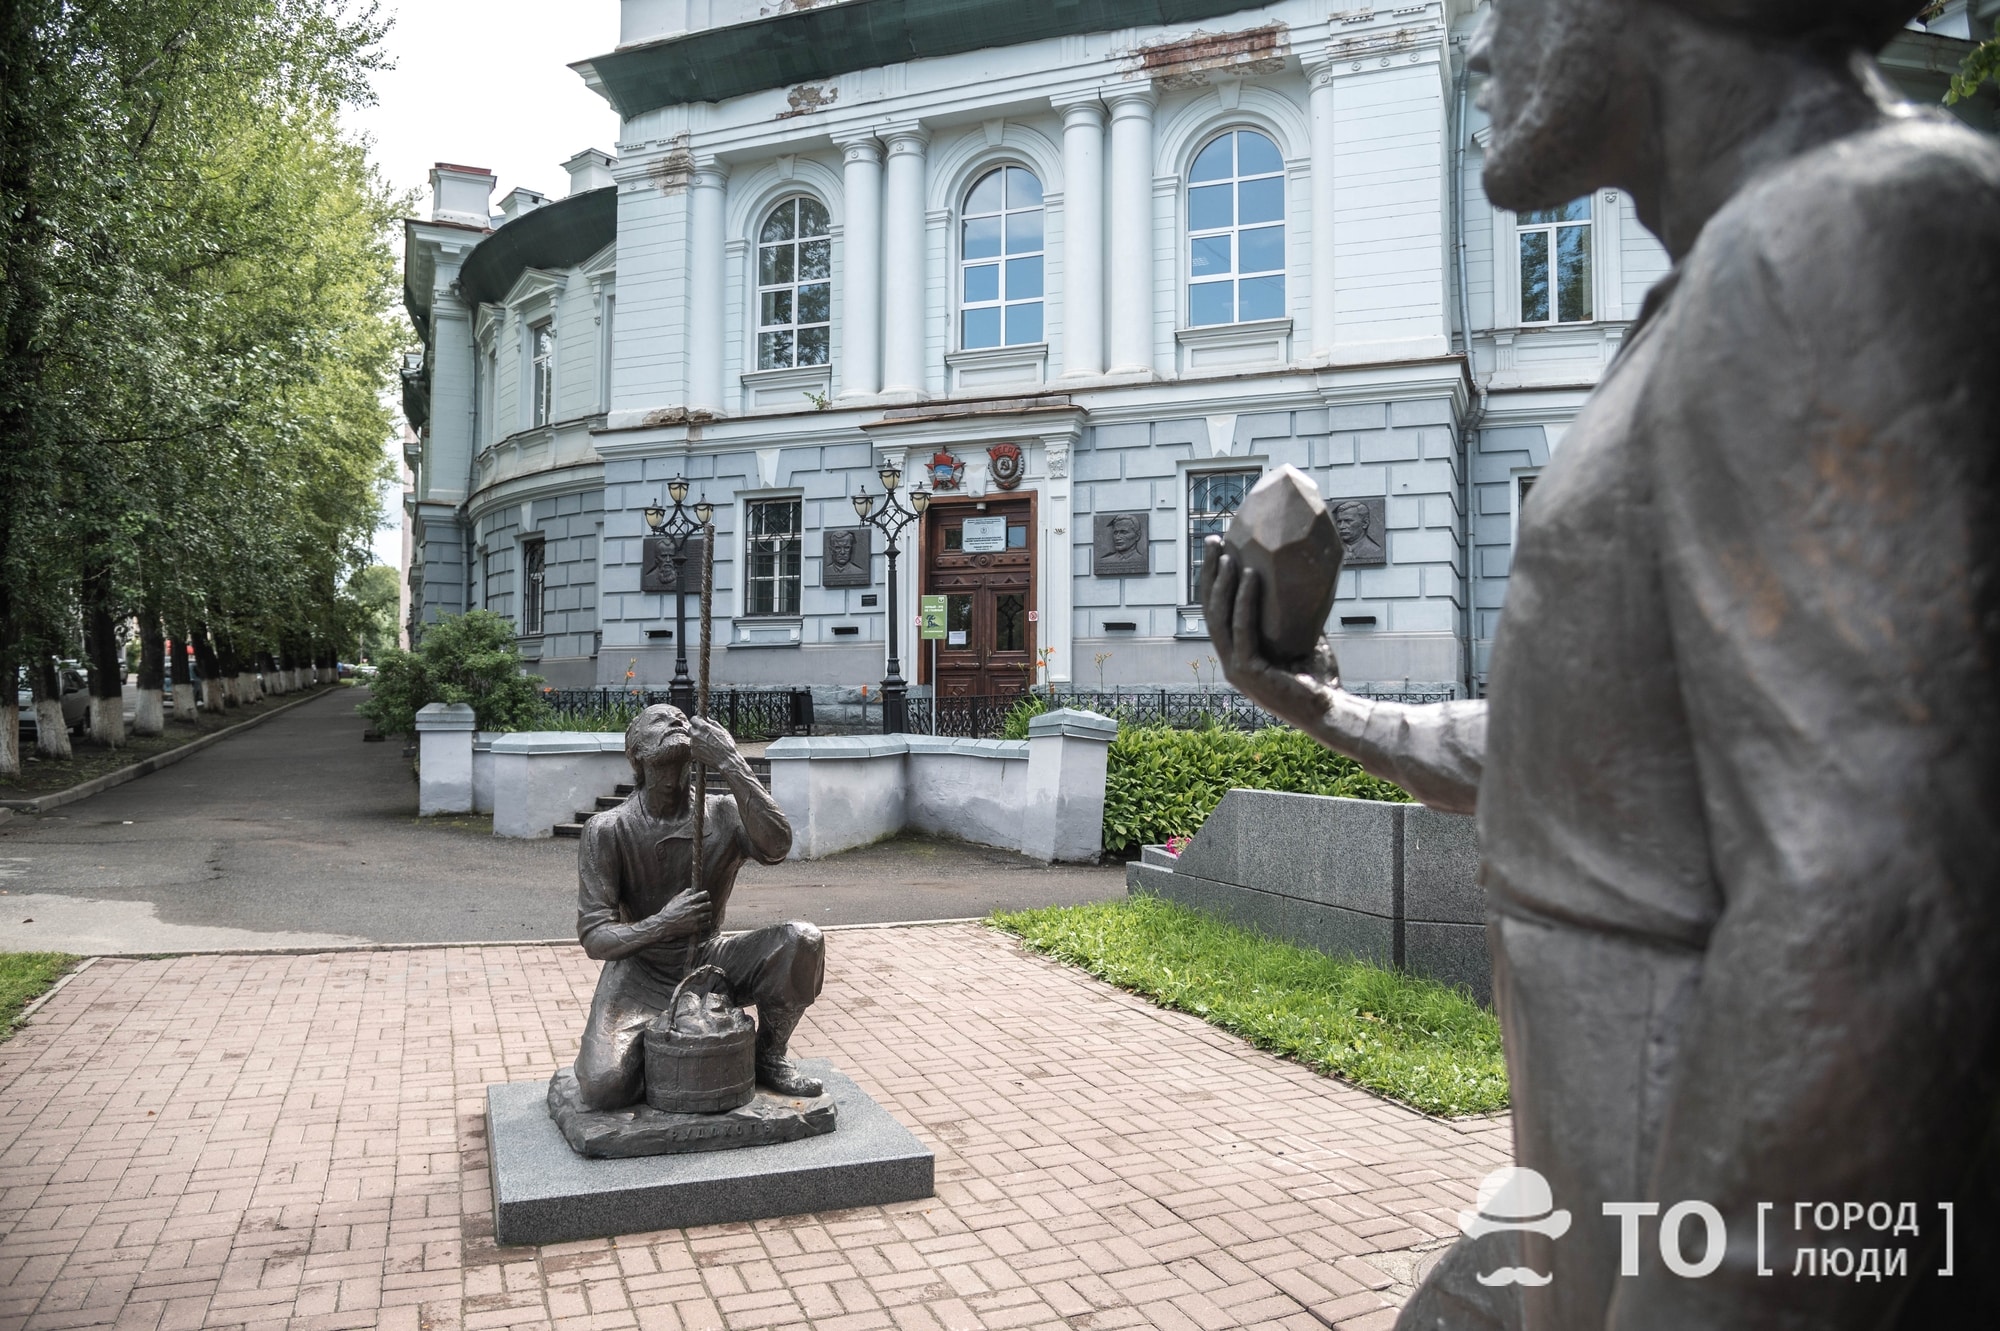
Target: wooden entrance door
989,643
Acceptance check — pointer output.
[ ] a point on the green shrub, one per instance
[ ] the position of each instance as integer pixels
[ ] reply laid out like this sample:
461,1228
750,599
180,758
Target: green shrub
1164,783
1021,713
469,658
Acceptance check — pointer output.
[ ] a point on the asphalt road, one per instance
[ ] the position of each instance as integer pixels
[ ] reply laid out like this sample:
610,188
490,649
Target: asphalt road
296,833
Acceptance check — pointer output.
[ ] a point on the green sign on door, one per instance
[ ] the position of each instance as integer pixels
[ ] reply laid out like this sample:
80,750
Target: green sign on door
930,613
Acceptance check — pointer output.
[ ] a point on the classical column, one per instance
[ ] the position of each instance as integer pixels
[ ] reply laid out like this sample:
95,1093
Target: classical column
1323,202
903,260
705,334
1083,238
861,270
1131,239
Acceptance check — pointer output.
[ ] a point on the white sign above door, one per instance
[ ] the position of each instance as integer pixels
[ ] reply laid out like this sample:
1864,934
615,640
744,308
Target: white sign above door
985,536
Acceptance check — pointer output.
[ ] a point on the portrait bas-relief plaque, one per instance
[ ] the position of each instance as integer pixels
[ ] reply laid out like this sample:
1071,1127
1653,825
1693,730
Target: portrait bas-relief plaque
1120,545
656,571
1363,525
845,556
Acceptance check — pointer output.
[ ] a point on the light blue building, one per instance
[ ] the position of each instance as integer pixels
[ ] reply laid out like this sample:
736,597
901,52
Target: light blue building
1086,276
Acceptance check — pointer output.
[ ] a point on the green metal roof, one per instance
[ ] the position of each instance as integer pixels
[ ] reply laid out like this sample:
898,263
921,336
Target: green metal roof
556,235
819,43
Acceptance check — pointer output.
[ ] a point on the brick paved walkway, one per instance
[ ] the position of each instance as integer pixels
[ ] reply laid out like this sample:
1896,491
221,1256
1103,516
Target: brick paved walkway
297,1141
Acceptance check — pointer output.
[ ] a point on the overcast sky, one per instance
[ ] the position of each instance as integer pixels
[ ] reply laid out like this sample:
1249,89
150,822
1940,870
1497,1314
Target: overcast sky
486,83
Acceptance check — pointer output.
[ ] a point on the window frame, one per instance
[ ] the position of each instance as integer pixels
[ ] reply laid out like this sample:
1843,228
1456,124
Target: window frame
541,373
1550,233
533,579
1000,261
1191,235
785,575
1191,554
759,288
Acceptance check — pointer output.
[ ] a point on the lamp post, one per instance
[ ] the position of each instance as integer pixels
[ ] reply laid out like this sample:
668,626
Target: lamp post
890,520
675,529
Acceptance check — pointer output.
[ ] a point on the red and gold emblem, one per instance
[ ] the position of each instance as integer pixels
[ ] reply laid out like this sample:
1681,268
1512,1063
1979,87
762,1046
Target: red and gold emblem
1007,467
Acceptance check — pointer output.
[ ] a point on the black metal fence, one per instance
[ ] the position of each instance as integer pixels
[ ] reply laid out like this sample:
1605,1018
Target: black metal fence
748,714
985,716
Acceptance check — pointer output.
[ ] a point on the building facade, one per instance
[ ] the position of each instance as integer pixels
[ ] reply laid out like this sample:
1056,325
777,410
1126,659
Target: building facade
1084,280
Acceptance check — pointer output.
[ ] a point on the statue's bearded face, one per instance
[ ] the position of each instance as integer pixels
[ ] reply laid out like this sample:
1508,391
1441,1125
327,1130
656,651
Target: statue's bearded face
1552,70
659,737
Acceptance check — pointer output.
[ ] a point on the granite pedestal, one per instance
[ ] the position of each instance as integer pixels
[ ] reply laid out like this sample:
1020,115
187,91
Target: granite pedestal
544,1192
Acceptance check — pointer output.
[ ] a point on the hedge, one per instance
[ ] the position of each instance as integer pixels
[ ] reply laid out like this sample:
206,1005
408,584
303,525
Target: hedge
1164,783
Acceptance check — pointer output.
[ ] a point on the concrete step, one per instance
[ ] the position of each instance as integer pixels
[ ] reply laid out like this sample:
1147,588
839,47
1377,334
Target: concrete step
570,831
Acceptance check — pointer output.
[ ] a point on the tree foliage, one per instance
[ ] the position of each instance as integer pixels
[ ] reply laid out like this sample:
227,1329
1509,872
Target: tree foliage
197,329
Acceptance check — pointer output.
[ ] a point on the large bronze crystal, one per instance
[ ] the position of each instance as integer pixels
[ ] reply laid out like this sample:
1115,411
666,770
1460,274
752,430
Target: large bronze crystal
1284,534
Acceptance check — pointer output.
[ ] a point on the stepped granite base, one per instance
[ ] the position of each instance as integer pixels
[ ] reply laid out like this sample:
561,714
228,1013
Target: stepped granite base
544,1192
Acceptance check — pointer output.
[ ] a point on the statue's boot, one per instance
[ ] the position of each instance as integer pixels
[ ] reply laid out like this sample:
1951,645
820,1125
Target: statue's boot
775,1072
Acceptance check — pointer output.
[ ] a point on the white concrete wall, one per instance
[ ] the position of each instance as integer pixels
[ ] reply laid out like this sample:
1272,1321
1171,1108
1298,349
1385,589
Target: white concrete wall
444,759
1043,796
541,778
839,792
974,790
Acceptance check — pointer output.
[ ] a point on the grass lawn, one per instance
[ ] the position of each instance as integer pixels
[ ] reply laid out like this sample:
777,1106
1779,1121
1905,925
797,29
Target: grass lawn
24,977
46,776
1406,1038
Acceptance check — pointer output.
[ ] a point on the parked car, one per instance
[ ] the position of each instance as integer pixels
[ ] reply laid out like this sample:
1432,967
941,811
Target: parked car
75,700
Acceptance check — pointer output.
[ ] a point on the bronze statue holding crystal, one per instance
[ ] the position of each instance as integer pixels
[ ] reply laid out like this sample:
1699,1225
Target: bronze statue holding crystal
1738,783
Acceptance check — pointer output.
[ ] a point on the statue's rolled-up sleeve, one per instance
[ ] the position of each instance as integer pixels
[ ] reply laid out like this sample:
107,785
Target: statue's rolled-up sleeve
1436,751
1824,473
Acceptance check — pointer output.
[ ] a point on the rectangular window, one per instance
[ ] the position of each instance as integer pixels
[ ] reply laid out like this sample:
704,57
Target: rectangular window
773,557
1213,497
1554,245
533,552
542,372
490,561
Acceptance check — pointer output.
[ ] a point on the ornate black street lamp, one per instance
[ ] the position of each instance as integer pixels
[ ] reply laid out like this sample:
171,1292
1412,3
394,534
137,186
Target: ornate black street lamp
674,530
890,520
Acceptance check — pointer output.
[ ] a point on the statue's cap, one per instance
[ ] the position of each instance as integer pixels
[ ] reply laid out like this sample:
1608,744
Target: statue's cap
1866,24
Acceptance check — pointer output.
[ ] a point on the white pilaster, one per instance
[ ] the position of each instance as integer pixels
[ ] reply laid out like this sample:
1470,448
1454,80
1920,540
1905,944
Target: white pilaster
1083,238
1057,594
1131,242
860,324
903,248
705,245
1324,140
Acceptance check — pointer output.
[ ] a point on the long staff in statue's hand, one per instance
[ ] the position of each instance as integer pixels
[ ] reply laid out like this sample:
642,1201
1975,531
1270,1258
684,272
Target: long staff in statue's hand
701,706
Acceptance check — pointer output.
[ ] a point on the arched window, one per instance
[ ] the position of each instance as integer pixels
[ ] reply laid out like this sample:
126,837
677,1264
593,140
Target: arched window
1000,261
1236,231
794,287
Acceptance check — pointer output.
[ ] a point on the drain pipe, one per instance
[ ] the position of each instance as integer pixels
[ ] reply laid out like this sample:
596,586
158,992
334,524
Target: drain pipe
1469,431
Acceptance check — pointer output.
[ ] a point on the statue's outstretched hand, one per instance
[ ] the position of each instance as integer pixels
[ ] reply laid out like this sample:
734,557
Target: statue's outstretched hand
1299,692
712,743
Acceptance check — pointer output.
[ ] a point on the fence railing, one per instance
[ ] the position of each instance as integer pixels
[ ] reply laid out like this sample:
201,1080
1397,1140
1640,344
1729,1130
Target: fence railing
747,714
985,716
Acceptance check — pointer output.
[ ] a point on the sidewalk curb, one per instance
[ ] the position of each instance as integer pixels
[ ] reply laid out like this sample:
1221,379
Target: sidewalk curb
21,1019
330,948
97,785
